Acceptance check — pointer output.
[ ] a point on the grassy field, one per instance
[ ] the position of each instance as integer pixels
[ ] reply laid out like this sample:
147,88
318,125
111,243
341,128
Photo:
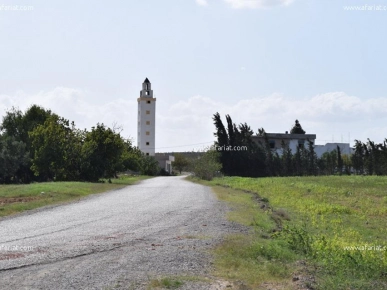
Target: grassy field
321,232
18,198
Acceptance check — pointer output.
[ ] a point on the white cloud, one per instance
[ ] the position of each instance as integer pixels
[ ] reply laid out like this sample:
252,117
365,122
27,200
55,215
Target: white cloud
257,4
332,115
202,2
77,105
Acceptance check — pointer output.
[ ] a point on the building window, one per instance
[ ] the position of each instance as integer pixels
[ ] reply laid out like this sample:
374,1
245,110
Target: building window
301,143
148,102
147,133
272,144
148,122
147,143
147,112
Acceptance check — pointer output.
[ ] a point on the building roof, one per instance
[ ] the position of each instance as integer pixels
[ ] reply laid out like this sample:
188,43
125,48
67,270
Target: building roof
287,136
146,81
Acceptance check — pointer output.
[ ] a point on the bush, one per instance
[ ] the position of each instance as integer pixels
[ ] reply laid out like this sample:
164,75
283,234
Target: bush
207,166
163,172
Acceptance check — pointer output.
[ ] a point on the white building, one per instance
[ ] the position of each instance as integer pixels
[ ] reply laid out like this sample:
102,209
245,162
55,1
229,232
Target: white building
146,127
328,147
292,140
276,140
165,161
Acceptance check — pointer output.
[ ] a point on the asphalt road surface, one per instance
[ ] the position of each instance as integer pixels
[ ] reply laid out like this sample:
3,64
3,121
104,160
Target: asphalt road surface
122,239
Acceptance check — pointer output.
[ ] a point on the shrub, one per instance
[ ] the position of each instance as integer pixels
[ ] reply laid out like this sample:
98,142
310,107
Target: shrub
207,166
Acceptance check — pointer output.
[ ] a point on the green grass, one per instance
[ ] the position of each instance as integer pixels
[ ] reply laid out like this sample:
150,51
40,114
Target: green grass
173,282
166,283
309,221
19,198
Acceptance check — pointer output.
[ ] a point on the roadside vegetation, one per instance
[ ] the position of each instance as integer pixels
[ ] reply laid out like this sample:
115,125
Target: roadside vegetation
38,145
259,160
22,197
318,232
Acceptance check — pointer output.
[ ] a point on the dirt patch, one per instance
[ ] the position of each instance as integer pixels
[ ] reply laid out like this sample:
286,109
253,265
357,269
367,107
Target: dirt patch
224,285
9,200
9,256
304,276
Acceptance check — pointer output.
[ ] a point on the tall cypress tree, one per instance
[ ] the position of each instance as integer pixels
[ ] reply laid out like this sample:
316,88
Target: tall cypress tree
339,161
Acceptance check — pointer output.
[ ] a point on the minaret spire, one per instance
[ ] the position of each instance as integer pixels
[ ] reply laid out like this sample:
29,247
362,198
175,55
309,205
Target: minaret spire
146,89
146,119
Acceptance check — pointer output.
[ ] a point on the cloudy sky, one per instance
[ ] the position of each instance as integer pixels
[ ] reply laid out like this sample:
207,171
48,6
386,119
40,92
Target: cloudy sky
264,62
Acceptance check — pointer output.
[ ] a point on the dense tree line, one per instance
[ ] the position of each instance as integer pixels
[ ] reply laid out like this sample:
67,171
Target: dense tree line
370,158
39,145
261,160
250,162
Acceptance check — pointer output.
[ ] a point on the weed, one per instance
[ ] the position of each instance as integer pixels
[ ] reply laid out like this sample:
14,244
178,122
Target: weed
166,282
336,223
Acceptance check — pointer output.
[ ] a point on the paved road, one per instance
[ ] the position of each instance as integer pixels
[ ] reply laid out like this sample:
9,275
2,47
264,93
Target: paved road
159,227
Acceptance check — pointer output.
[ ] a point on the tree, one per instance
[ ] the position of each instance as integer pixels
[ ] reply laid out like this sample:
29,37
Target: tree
312,158
339,161
57,150
149,165
297,129
101,153
18,125
368,159
181,162
287,156
249,161
269,159
358,157
206,166
12,124
131,157
13,156
347,163
221,133
328,162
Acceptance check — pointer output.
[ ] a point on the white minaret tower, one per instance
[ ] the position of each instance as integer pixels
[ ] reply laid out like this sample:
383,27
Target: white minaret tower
146,128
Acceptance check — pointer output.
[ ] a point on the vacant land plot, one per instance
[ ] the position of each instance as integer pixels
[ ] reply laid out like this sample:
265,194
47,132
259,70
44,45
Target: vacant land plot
309,232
